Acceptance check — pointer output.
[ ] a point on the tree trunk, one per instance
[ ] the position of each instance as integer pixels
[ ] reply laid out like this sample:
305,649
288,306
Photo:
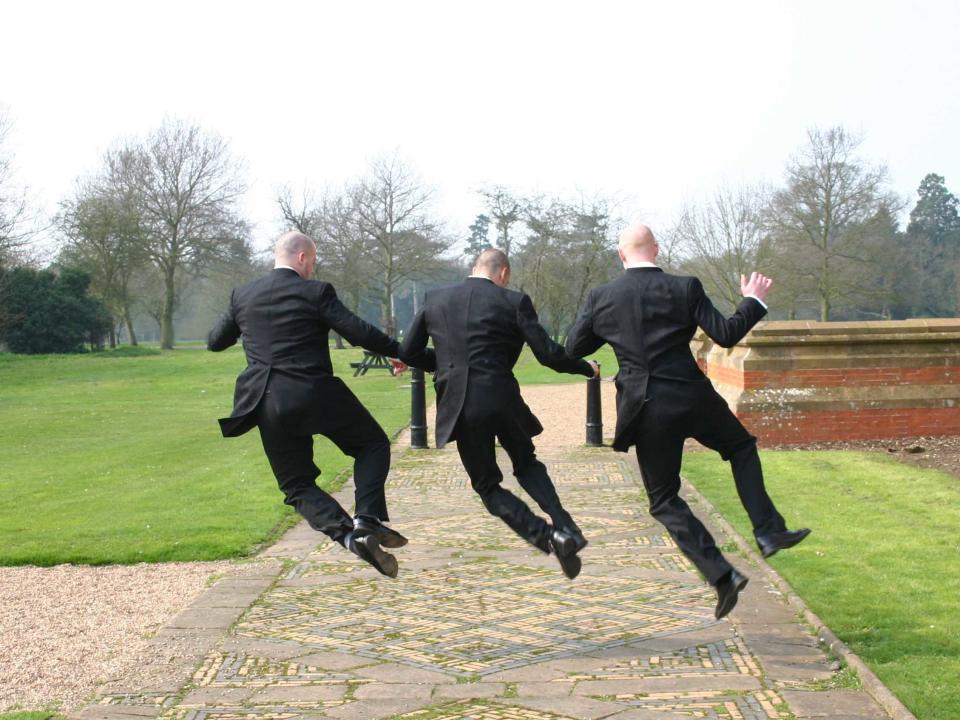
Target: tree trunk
166,322
824,308
128,321
338,340
386,307
113,335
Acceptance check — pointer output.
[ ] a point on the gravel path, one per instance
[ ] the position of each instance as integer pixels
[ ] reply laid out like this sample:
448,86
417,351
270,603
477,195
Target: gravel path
66,629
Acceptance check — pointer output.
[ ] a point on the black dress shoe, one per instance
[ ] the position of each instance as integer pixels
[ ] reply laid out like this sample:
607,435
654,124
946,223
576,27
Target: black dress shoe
367,548
728,590
580,542
564,546
772,543
385,536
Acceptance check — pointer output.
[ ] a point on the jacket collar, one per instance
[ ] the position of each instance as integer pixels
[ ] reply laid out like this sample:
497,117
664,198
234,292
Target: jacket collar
286,271
650,268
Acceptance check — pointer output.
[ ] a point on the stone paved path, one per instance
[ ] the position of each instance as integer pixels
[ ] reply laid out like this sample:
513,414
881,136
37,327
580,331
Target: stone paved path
480,626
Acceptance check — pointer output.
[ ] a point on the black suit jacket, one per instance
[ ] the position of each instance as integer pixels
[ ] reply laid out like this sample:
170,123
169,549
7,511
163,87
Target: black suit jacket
649,318
285,320
478,330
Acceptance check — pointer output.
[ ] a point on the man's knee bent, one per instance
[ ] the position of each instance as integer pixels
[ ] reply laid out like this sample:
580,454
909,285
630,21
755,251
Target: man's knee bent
740,450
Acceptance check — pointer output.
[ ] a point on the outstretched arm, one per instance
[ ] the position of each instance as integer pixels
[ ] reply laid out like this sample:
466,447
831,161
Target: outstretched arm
728,331
582,340
356,331
414,350
547,352
226,332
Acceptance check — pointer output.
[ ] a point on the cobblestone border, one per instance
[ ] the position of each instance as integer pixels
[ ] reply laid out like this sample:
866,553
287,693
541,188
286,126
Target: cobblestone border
871,683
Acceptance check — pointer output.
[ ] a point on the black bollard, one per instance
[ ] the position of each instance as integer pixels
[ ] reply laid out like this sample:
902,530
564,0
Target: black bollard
418,410
594,413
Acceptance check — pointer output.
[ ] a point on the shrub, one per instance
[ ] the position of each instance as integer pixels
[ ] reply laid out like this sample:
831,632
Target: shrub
48,312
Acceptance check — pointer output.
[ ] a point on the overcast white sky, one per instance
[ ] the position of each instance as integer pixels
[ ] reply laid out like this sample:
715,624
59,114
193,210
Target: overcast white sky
650,102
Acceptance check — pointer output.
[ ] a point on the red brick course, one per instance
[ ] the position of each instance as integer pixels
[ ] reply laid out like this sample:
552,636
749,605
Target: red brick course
806,427
800,382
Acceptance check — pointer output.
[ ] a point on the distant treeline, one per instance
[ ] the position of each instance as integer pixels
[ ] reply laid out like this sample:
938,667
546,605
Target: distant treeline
158,233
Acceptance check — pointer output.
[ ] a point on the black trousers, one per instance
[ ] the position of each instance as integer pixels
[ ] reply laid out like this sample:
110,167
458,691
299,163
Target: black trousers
674,412
476,443
289,449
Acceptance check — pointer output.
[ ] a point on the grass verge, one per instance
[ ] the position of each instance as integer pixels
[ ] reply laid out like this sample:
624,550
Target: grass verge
117,457
882,567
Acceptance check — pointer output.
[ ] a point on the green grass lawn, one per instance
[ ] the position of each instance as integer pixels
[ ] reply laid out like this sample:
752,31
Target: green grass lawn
530,372
882,567
117,457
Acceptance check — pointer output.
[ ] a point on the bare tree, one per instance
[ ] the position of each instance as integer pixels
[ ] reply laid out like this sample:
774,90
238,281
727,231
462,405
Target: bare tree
100,224
568,249
187,186
394,214
97,241
299,213
343,256
506,210
725,236
17,225
827,214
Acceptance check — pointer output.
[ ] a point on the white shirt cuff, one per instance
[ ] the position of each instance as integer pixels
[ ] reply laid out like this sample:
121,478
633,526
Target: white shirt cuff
758,300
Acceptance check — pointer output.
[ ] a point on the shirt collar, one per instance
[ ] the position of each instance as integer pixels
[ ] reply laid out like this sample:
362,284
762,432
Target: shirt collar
639,264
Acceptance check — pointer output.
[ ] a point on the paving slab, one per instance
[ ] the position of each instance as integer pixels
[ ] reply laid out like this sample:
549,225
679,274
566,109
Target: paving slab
478,624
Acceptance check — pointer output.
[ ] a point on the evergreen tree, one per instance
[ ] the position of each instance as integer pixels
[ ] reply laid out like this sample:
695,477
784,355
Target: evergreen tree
935,215
479,236
52,312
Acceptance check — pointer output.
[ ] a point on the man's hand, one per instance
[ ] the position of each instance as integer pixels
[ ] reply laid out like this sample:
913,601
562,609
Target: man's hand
596,367
399,366
758,285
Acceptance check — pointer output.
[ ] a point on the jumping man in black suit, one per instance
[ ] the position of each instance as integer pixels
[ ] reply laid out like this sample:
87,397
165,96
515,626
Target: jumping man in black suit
478,329
649,318
289,391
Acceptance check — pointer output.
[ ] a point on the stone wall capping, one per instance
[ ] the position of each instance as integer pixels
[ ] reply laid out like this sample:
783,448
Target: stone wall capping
805,381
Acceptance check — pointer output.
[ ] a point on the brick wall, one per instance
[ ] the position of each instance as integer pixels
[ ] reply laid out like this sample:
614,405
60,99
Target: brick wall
799,382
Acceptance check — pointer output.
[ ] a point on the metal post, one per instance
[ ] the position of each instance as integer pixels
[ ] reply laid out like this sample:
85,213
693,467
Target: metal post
418,410
594,413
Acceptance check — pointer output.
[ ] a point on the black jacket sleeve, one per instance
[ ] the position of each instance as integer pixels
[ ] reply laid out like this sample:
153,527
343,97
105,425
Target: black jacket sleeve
226,332
352,328
582,340
547,352
414,350
724,331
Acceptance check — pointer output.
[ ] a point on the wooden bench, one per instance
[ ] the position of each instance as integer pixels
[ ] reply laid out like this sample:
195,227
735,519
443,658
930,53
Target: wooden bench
371,361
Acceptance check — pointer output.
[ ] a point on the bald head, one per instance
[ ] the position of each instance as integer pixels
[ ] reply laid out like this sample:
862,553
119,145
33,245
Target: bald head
296,250
493,264
637,244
